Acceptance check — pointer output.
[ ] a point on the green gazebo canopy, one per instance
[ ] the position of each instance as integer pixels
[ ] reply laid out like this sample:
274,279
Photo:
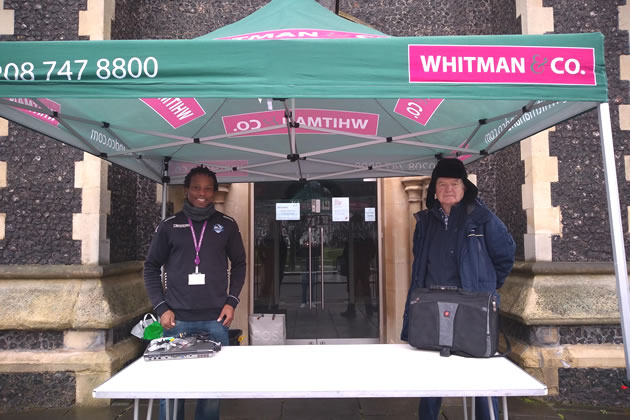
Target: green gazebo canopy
295,92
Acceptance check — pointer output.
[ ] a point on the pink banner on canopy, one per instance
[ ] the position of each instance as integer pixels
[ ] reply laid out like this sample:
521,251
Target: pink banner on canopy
303,34
361,123
501,64
418,110
52,105
176,111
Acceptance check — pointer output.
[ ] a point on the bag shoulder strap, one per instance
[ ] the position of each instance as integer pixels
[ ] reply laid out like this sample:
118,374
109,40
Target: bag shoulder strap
508,345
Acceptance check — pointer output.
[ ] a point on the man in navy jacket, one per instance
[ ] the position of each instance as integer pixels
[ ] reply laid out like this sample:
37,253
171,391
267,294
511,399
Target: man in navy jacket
457,242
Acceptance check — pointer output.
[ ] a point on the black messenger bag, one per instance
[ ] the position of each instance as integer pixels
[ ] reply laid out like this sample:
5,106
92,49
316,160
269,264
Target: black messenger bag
454,321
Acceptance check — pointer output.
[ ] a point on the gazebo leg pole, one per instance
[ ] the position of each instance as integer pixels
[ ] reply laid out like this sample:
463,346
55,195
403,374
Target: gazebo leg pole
164,187
165,181
616,229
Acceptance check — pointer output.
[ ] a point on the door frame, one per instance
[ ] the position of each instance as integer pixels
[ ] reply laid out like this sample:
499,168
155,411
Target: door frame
381,280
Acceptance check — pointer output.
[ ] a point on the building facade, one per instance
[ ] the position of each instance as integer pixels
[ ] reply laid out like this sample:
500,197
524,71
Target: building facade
74,229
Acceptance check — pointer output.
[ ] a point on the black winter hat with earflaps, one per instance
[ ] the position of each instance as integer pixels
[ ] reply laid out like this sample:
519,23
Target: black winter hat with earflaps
451,168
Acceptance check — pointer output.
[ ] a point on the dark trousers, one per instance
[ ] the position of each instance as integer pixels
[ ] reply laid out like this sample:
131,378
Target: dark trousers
430,408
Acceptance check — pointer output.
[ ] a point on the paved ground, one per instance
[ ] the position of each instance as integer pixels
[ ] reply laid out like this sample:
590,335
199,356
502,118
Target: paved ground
333,409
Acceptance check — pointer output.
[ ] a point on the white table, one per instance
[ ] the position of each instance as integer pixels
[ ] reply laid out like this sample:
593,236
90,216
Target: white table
334,371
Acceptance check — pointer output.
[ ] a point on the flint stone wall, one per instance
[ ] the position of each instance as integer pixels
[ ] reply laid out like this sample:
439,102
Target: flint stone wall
40,196
135,214
593,386
36,390
581,190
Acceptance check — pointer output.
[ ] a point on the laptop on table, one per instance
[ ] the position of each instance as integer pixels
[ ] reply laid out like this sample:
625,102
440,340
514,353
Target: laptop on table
180,348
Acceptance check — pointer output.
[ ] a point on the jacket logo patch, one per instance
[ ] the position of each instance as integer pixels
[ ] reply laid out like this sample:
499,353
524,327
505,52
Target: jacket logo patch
218,228
180,225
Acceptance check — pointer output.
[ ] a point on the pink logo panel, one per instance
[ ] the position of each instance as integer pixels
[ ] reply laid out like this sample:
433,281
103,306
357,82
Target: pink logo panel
501,64
350,122
53,106
303,34
418,110
176,111
218,166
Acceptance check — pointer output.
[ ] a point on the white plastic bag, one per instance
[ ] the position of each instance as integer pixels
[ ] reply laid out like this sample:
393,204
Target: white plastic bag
138,329
267,329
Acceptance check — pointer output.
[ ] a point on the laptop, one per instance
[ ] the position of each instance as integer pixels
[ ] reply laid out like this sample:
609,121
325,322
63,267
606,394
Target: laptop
181,349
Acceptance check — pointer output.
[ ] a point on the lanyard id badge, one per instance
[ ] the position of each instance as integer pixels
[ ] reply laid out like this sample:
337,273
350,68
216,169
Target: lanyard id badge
197,278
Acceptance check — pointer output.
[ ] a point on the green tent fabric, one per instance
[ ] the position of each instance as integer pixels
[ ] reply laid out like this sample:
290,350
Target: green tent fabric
294,91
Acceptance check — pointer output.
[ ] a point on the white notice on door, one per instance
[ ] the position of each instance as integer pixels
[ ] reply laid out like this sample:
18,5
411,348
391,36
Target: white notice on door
340,209
370,214
287,211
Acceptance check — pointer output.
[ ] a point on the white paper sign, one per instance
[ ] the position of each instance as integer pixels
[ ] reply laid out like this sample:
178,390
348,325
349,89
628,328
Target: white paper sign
340,209
287,211
370,214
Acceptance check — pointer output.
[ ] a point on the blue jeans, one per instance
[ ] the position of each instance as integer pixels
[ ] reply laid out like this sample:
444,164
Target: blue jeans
430,408
205,409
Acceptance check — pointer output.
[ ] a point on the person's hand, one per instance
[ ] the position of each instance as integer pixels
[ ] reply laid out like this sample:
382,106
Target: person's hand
226,315
167,320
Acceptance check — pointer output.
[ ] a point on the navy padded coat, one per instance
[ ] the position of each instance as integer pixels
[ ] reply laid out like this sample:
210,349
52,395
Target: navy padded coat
485,251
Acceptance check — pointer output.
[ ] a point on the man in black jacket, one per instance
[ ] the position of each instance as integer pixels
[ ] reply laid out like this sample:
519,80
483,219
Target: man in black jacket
194,247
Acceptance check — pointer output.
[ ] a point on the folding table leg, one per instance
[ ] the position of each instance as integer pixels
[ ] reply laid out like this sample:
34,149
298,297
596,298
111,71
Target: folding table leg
174,409
473,415
465,409
491,408
136,408
505,409
150,409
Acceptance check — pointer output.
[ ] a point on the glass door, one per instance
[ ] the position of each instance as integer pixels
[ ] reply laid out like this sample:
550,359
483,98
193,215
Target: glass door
316,259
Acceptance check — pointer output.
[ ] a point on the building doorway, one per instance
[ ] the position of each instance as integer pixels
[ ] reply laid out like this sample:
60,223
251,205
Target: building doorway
316,259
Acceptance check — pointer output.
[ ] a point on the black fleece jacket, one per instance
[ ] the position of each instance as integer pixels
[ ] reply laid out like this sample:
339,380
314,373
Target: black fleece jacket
172,246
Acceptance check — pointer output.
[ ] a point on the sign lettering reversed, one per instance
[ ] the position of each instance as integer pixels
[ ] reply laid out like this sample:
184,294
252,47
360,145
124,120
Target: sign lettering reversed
176,111
346,121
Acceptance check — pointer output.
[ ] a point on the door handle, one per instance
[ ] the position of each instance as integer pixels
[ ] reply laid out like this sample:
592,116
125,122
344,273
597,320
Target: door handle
310,268
321,259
